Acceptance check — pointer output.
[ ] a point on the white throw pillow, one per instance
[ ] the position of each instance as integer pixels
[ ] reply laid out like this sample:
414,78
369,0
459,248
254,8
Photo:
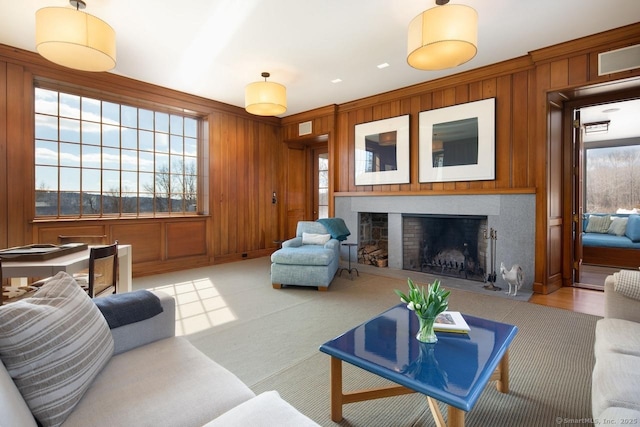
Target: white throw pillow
618,226
53,346
315,239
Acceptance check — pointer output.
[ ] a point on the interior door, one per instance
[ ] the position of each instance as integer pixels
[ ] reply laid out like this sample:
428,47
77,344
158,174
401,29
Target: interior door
578,196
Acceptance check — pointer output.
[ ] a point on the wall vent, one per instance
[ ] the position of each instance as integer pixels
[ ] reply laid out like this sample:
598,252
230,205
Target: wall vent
304,128
618,60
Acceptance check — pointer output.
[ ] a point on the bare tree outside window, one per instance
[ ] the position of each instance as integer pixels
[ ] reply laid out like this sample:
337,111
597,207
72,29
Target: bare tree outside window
612,178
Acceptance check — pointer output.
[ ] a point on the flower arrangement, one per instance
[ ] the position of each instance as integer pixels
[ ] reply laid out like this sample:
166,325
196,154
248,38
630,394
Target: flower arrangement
427,304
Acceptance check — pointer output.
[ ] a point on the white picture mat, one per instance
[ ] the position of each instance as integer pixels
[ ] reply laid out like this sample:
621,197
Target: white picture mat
485,168
401,175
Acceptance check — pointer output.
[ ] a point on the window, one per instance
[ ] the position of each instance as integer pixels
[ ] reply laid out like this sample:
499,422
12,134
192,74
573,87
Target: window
95,158
612,178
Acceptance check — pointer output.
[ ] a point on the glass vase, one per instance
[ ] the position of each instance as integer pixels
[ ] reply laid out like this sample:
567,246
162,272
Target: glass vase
426,332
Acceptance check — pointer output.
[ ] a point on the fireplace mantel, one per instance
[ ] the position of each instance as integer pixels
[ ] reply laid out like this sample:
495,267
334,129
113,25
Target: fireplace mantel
511,215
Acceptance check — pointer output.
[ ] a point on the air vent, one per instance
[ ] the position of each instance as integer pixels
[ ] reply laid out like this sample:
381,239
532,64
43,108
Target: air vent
618,60
304,128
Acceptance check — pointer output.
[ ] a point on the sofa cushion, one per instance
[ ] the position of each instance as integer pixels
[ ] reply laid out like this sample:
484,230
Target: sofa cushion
618,226
13,408
315,239
598,224
633,228
303,255
615,382
53,345
165,383
266,409
617,336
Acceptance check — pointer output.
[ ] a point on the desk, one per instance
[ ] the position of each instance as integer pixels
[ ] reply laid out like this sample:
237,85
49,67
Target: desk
71,263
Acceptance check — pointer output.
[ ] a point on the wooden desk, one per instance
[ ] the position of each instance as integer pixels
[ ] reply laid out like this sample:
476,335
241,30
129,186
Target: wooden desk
71,263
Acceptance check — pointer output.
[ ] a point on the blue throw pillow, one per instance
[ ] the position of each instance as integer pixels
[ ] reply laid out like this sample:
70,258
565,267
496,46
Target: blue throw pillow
336,227
633,228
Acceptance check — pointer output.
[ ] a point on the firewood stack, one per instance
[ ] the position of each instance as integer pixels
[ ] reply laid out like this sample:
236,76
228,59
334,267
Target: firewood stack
373,255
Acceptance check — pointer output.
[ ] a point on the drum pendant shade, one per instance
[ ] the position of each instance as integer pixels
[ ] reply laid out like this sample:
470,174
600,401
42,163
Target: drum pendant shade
75,39
442,37
265,98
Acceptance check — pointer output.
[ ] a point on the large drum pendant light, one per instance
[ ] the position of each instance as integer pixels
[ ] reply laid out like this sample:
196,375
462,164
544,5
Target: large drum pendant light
75,39
443,37
265,98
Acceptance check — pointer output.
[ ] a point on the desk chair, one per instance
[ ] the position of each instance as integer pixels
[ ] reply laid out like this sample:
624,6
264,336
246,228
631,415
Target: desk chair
103,271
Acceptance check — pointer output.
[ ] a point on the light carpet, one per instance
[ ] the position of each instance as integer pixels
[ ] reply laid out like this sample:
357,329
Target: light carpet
269,338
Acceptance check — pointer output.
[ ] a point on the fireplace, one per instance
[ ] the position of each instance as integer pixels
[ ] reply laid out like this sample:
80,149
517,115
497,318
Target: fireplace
511,216
448,245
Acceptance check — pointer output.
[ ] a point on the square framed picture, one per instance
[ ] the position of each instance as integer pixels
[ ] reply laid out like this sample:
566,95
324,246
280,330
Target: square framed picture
382,152
457,143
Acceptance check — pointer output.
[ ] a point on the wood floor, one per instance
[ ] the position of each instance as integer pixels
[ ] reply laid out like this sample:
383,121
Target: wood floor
586,297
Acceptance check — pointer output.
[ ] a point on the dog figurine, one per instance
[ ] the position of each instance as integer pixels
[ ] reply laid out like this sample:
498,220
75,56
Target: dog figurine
514,277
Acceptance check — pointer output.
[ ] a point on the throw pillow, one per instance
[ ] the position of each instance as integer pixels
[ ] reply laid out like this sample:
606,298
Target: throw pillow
53,346
618,226
336,227
315,239
633,228
598,224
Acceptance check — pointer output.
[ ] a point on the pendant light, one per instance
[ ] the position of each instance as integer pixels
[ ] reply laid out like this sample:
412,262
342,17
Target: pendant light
443,37
75,39
265,98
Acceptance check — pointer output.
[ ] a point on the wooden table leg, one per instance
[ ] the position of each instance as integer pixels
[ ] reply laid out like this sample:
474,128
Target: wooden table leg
503,382
336,389
455,416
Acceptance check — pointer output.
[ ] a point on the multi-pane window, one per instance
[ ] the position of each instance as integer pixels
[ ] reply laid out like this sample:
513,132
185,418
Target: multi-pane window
100,158
612,181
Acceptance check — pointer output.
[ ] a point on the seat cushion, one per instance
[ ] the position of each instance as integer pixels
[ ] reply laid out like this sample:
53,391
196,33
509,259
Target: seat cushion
617,336
266,409
54,344
165,383
615,382
304,255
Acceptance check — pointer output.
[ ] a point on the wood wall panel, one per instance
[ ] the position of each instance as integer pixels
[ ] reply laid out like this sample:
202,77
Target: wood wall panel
176,244
50,234
146,239
4,196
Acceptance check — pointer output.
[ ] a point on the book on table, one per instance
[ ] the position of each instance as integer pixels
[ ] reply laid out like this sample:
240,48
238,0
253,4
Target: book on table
451,321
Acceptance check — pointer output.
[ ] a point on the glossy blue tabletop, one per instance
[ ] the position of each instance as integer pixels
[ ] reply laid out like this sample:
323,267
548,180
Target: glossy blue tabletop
455,370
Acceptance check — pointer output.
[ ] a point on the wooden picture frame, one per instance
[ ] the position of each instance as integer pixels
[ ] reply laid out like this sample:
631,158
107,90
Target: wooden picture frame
382,152
457,143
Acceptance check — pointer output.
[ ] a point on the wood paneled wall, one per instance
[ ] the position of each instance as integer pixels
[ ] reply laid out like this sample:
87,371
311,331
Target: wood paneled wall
249,157
242,167
529,93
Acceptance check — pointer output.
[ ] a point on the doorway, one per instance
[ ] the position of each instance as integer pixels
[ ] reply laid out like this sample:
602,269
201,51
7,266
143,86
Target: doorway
606,157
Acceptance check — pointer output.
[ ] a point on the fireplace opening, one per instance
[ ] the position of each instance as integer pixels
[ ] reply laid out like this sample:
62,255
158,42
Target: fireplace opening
449,245
373,239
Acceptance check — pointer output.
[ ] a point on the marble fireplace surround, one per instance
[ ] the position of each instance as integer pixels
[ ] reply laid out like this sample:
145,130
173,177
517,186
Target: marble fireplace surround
511,215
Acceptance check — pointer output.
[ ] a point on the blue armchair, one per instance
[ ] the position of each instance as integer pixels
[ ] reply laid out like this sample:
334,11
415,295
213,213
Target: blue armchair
309,259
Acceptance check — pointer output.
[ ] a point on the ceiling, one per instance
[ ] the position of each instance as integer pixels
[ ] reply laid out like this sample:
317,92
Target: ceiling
213,48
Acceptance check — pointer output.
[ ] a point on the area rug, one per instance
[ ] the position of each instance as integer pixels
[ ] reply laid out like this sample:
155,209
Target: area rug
270,339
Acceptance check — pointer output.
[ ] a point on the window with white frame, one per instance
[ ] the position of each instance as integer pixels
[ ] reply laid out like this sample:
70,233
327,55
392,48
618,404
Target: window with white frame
95,158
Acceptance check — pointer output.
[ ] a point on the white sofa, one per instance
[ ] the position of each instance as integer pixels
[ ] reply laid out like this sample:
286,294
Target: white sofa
615,390
148,376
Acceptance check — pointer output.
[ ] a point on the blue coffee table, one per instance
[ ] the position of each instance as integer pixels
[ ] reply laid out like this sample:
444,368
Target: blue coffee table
455,370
